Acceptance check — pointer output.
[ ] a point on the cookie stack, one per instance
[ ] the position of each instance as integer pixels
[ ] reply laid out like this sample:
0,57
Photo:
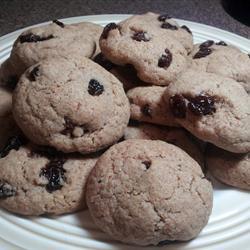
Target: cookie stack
71,111
66,110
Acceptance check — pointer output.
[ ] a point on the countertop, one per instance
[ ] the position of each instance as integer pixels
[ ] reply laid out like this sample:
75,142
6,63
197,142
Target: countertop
16,14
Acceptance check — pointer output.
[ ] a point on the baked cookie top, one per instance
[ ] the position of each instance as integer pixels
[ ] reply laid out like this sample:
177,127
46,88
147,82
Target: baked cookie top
71,105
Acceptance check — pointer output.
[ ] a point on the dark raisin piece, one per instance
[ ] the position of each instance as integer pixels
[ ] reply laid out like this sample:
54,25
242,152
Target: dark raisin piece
69,126
34,73
165,60
186,28
31,38
248,55
222,43
147,164
169,26
107,29
6,190
201,105
146,110
203,52
54,172
12,81
14,142
207,44
163,17
58,23
95,88
104,62
178,106
140,36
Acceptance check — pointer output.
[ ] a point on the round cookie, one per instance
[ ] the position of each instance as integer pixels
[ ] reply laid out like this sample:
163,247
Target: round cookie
176,136
144,192
37,183
213,108
229,168
55,39
222,59
156,53
148,104
74,106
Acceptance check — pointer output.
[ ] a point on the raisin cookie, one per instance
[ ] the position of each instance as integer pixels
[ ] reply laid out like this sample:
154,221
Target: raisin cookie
55,39
148,104
222,59
213,108
177,136
155,51
74,106
41,183
144,192
229,168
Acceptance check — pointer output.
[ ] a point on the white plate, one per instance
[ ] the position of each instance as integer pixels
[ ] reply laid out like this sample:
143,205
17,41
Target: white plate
229,224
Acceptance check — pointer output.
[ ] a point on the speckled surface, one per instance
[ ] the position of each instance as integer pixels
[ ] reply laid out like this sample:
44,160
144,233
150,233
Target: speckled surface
15,14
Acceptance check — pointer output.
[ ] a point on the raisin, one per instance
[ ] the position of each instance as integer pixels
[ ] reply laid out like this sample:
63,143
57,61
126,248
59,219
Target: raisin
146,110
203,52
12,81
95,88
54,172
169,26
69,126
107,29
165,60
186,28
58,23
33,73
147,164
201,105
222,43
207,44
140,36
163,17
31,38
14,142
104,62
6,190
178,106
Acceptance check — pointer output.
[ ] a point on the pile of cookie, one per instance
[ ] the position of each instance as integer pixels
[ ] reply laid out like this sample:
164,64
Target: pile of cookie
123,120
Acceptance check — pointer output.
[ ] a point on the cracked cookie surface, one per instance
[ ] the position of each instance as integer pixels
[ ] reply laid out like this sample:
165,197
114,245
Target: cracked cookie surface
148,104
222,59
229,168
35,44
40,183
176,136
74,106
158,54
144,192
213,108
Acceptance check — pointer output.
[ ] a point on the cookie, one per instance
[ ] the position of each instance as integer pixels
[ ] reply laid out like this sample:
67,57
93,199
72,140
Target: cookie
74,106
156,52
144,192
213,108
40,183
222,59
148,104
176,136
55,39
229,168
